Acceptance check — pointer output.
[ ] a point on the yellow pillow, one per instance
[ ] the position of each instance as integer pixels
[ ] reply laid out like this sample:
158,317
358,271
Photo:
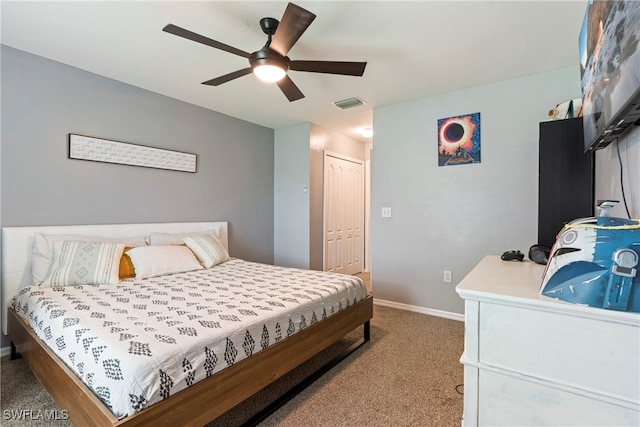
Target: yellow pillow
127,270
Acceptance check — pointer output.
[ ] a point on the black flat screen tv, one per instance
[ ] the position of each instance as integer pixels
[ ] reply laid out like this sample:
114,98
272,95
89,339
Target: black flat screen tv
610,70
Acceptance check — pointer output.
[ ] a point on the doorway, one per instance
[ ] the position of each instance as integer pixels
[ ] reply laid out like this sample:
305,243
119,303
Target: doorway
343,200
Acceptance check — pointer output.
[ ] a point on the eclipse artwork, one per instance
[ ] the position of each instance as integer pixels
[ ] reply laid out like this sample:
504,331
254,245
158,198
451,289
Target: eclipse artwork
459,140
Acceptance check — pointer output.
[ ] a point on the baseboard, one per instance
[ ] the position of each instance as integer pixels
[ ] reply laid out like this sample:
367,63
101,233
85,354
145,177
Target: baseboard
423,310
5,351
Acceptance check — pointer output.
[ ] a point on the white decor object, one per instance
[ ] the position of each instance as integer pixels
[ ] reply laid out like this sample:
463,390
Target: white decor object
152,261
208,249
533,360
104,150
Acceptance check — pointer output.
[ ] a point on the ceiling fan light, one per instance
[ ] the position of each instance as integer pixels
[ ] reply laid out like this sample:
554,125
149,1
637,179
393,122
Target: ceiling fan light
269,73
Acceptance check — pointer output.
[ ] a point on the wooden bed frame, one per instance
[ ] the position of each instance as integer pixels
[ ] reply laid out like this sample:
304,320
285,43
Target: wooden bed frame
196,405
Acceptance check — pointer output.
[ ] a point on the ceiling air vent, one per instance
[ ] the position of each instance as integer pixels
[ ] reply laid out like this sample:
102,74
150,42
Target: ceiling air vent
348,103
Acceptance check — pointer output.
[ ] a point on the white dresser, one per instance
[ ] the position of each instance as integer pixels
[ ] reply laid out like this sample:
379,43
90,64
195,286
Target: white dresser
532,360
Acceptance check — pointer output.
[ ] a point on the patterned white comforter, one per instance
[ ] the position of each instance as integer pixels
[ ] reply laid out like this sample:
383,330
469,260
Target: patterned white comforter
139,342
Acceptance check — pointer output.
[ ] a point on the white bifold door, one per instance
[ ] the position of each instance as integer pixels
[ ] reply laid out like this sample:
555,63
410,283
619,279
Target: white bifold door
343,214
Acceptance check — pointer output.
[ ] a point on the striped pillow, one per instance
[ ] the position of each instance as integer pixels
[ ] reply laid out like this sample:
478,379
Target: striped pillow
85,263
208,249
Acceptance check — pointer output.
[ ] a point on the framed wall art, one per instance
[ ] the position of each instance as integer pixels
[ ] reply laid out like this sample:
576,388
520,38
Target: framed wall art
123,153
459,140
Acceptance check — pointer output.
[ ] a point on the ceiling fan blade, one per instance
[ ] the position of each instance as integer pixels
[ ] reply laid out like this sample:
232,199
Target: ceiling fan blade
181,32
293,24
228,77
289,89
330,67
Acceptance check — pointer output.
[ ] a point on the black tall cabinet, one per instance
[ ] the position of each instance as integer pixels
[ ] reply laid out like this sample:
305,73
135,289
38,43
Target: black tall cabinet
565,177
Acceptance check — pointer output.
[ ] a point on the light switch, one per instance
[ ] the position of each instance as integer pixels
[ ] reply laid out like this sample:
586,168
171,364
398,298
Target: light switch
386,212
447,276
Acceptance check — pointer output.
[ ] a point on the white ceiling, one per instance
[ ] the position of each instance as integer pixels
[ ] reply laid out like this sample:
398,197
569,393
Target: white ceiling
413,49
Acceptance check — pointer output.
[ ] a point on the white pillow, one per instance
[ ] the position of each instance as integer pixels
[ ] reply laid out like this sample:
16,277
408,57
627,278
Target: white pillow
42,256
208,249
85,263
150,261
163,239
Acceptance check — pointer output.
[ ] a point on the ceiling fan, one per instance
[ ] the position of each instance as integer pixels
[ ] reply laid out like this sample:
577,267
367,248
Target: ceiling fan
271,62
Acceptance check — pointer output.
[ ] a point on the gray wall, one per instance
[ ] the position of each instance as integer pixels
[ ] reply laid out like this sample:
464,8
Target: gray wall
43,101
449,218
291,196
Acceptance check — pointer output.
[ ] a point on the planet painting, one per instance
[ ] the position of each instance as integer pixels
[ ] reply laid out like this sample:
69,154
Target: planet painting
459,140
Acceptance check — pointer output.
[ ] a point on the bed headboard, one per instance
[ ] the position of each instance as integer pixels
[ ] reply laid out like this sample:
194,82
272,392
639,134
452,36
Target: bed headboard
17,247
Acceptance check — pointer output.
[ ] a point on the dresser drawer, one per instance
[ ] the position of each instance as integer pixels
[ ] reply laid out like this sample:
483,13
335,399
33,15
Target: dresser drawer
576,351
510,401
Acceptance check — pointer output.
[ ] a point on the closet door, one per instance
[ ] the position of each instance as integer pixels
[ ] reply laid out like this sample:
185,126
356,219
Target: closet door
565,179
343,214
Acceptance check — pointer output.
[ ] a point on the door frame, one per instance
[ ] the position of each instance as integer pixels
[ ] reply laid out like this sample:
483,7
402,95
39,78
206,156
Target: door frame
361,162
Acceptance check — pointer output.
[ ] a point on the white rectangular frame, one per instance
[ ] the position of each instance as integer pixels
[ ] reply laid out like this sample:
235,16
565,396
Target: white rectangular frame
104,150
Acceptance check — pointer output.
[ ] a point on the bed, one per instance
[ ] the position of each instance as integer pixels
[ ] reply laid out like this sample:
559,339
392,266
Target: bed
191,390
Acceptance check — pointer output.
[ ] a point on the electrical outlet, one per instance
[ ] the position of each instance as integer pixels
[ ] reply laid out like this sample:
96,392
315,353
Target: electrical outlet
447,276
386,212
